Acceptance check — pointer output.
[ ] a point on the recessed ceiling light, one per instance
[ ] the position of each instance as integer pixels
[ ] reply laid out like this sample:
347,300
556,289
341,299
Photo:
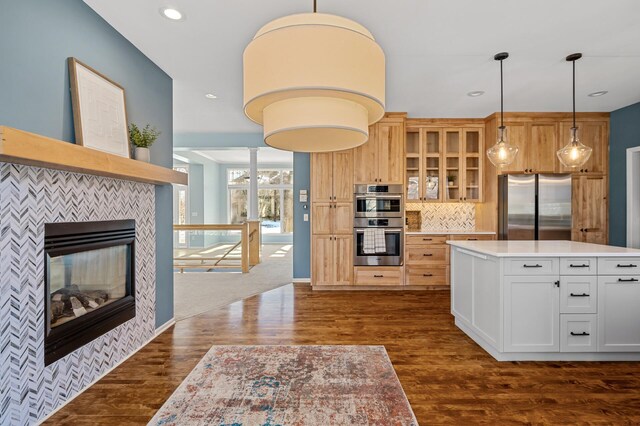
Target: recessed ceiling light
475,93
210,96
173,14
600,93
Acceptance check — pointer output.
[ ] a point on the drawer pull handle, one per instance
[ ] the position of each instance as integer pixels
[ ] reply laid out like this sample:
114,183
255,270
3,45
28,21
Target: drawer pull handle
472,239
630,280
427,275
630,265
378,276
532,266
427,239
584,333
579,295
579,266
427,254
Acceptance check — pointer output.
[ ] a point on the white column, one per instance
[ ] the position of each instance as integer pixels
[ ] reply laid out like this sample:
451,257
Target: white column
253,184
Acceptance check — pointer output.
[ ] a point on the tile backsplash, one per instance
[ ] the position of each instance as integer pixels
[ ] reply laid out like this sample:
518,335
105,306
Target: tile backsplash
446,216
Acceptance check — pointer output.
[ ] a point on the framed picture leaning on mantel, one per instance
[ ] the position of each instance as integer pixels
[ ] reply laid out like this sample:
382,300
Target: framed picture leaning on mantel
99,112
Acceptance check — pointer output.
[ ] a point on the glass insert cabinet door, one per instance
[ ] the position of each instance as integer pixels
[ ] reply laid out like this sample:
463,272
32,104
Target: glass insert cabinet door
412,164
432,177
453,160
472,165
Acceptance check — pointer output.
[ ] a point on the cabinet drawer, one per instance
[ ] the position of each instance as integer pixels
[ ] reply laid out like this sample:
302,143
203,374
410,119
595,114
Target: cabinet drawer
578,266
578,333
472,237
367,275
619,266
428,255
435,275
578,294
419,240
532,266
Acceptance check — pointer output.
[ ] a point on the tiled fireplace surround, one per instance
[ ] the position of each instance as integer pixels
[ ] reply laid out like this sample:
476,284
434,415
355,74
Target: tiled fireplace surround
30,197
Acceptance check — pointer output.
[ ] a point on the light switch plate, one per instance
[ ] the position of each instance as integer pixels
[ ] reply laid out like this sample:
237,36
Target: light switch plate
306,217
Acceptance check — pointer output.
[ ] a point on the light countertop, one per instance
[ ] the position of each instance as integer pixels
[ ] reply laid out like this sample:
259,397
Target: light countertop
544,249
450,233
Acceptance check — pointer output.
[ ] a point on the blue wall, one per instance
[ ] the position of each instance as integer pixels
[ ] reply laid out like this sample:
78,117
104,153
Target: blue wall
36,38
625,133
301,229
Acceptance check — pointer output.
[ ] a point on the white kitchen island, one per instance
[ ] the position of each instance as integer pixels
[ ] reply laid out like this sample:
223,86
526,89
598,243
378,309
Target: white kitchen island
547,300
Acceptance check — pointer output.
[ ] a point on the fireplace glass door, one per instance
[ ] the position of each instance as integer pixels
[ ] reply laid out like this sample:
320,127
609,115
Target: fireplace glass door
85,281
90,282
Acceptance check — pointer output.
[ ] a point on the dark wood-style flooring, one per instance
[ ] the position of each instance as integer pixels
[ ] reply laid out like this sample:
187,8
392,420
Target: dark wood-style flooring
446,376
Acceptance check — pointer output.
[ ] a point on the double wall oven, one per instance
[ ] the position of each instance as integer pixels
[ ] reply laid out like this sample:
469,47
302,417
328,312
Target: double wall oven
379,207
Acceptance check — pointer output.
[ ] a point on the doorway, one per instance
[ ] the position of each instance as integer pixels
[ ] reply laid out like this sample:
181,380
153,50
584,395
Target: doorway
633,197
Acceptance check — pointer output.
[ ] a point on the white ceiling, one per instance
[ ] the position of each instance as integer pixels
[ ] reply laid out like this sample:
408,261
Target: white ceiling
437,51
266,156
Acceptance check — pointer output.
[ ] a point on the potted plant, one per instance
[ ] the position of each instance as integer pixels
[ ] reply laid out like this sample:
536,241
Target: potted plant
142,140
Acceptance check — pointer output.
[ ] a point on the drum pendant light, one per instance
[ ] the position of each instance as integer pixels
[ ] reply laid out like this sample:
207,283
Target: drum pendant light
574,154
315,82
502,153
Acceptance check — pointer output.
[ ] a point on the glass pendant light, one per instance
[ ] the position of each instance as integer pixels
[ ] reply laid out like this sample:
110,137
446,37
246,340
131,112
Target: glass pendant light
502,153
574,154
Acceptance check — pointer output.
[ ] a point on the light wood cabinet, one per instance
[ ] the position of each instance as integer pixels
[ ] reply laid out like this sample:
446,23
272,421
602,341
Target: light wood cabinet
323,260
537,144
322,218
381,158
332,218
378,275
444,164
332,260
589,209
541,148
426,260
332,177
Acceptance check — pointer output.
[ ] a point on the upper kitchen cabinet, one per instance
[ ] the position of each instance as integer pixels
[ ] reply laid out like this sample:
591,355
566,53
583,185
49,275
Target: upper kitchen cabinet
537,146
594,134
332,176
539,136
472,164
444,164
424,172
381,158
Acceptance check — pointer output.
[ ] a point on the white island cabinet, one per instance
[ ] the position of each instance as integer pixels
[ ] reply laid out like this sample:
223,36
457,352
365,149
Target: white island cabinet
547,300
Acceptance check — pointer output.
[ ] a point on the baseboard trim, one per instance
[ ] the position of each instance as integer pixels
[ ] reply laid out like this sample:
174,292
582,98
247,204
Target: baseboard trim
302,281
164,327
158,331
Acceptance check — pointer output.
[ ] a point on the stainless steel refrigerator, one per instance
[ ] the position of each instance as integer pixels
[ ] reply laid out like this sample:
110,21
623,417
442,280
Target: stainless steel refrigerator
534,207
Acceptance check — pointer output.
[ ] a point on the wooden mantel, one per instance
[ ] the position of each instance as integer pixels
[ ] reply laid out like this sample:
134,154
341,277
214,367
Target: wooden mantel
20,147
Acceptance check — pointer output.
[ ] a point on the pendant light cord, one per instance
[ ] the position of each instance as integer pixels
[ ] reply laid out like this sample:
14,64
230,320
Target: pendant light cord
501,97
574,94
315,6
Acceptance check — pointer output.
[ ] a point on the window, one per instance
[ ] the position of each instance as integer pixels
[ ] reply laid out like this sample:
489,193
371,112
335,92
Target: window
275,198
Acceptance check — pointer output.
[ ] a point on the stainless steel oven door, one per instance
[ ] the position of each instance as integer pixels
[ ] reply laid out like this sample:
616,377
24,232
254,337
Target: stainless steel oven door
392,256
378,206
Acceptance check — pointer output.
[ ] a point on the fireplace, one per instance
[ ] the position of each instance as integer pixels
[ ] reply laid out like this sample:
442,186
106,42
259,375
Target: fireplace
89,282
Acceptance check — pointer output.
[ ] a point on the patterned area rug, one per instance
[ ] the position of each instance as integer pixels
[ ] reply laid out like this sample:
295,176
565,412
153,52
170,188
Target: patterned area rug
289,385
